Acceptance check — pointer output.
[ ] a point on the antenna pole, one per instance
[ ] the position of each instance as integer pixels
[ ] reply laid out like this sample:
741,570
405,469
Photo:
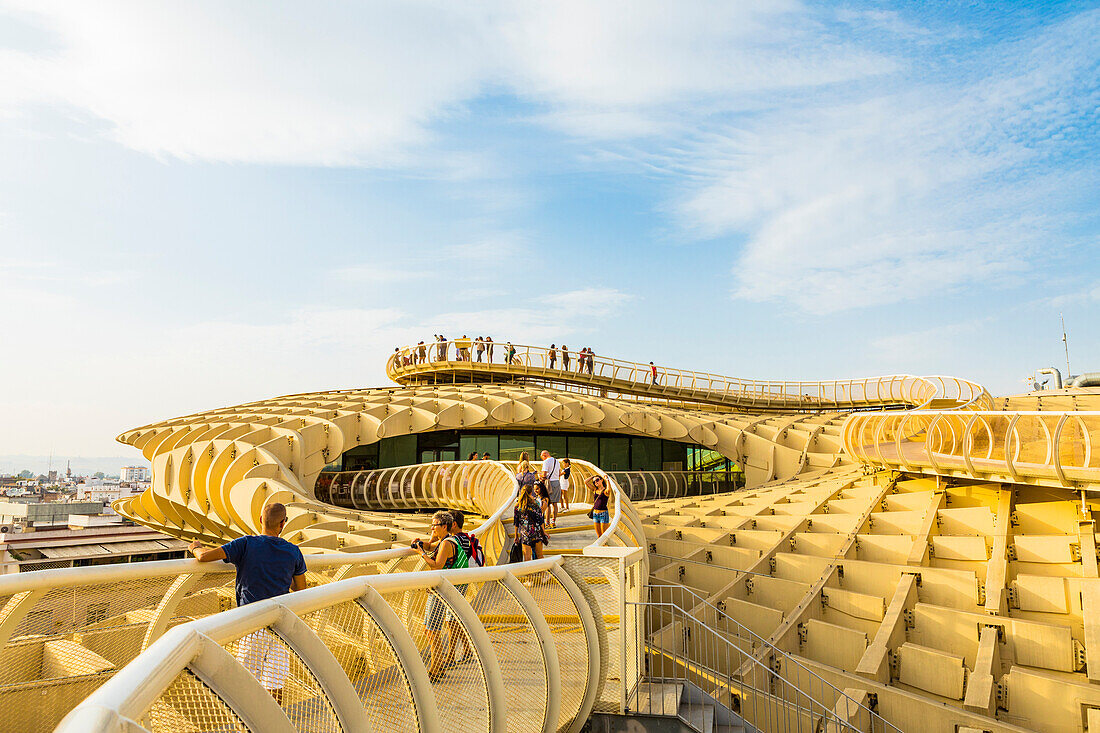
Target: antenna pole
1065,342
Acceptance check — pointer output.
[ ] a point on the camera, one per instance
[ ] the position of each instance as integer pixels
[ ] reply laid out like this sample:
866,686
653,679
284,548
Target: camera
417,544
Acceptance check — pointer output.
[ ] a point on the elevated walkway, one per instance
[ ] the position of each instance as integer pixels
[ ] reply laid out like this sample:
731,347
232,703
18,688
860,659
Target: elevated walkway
458,361
171,648
1040,448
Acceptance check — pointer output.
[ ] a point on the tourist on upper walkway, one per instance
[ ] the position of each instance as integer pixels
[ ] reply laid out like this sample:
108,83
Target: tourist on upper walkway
591,354
396,358
653,370
489,349
441,349
553,355
267,566
480,347
551,474
510,355
446,553
423,352
600,515
565,357
463,345
486,457
527,521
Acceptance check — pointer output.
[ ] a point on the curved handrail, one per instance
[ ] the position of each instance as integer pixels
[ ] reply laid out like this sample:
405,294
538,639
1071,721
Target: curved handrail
408,363
178,578
199,648
1035,447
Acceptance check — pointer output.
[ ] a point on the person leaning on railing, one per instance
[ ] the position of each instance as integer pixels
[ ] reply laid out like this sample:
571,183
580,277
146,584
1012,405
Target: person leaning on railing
267,566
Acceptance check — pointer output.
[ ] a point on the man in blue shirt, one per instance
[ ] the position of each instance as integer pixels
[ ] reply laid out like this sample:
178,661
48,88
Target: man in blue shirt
267,566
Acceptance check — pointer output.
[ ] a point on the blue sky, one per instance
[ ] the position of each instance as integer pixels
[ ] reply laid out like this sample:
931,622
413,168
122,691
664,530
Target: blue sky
212,203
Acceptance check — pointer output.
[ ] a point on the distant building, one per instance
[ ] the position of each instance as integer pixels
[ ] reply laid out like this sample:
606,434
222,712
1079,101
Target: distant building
133,474
44,514
88,541
106,491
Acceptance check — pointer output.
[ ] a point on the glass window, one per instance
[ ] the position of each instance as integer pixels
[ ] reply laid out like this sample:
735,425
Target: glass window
360,458
673,456
438,439
512,444
467,444
645,454
556,444
711,460
614,454
397,451
489,444
585,448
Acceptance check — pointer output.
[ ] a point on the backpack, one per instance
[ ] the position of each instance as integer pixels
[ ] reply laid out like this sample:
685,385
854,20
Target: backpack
461,560
476,553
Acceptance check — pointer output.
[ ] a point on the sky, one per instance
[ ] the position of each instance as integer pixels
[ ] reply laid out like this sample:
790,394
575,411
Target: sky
209,203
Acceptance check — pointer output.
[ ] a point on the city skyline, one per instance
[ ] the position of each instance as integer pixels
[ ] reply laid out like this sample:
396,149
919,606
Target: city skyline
228,204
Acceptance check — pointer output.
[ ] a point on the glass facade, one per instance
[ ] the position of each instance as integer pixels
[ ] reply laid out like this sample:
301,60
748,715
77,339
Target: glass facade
609,452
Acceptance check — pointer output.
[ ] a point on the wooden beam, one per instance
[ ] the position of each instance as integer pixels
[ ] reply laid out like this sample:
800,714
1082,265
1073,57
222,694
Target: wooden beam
1090,610
875,664
980,689
920,550
997,567
1086,537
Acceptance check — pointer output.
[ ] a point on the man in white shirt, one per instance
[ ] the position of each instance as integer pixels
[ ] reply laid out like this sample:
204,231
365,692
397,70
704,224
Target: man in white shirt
551,474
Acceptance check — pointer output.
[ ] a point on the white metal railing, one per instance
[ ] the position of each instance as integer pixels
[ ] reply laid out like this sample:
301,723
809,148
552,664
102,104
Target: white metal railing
538,362
1047,448
688,638
146,692
648,485
182,656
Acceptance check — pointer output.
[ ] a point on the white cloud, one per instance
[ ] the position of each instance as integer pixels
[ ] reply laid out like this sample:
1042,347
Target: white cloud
379,274
339,84
331,84
904,194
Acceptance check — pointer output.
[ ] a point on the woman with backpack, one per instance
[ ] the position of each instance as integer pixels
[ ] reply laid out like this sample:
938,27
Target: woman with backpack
446,553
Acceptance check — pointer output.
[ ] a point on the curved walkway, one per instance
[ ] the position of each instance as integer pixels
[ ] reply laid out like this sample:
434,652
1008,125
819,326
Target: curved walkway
1039,448
443,361
353,647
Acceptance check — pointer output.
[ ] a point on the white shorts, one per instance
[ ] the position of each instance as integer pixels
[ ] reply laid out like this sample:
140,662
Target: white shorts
265,657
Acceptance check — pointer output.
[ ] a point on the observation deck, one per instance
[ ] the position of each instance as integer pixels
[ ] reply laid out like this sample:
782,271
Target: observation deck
458,361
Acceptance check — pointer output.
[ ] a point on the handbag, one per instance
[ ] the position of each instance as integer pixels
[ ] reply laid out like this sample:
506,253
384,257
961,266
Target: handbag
591,513
515,554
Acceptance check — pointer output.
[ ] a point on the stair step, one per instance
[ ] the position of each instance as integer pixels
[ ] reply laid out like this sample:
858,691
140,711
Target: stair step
699,717
729,729
658,698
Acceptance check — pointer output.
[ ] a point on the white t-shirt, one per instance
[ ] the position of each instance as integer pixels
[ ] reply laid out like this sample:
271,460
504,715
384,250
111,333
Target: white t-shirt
551,468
